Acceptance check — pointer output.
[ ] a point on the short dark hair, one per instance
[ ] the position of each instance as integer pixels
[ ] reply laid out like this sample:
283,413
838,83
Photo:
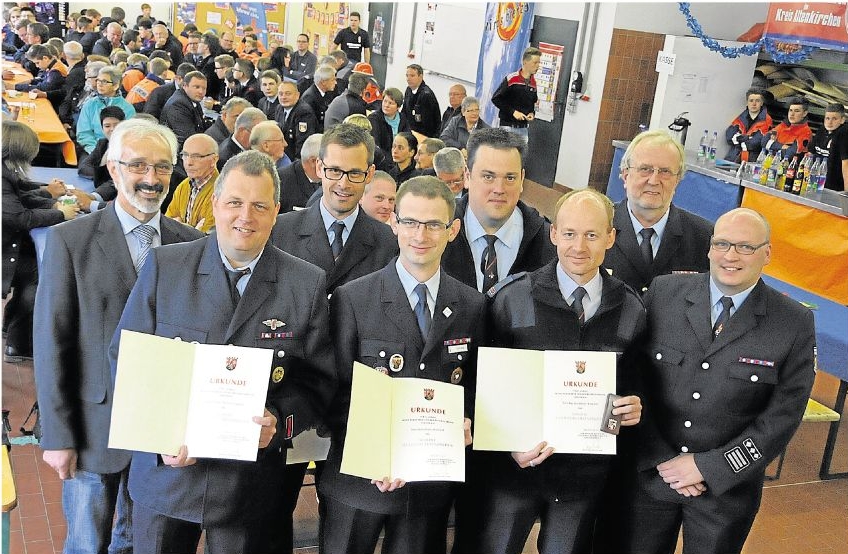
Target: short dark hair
357,83
799,101
530,52
417,68
112,111
144,24
497,138
410,139
253,163
347,136
118,13
835,108
426,186
192,75
245,66
130,35
755,90
38,51
184,69
355,14
40,29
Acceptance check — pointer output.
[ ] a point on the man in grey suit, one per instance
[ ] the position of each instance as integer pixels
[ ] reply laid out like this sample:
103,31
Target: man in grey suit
90,268
410,319
232,287
727,377
677,241
336,235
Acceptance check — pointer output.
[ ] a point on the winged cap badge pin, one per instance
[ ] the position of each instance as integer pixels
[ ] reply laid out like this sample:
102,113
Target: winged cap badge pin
274,323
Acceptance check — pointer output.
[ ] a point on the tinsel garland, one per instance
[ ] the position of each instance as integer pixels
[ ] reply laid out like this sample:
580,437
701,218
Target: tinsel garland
780,52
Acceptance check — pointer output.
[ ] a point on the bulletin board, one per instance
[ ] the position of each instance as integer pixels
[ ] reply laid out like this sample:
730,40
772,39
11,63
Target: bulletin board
267,19
321,22
448,32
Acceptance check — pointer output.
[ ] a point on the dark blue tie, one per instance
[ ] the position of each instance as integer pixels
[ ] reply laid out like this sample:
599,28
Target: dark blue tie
647,250
422,312
723,317
577,305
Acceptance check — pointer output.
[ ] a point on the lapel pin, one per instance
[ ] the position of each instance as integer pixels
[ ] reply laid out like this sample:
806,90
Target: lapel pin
273,323
447,312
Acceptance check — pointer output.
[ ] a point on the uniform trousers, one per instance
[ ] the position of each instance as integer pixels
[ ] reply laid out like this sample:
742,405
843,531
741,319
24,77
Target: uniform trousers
348,530
155,533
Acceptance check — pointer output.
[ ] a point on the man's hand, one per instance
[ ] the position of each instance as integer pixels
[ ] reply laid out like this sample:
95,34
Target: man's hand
682,475
533,457
84,199
39,93
269,427
629,408
64,462
180,460
518,116
56,188
69,210
386,485
466,426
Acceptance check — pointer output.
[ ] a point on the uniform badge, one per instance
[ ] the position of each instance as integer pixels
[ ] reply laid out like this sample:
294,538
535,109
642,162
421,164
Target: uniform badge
277,374
447,312
232,361
301,127
383,370
274,323
429,394
736,459
580,366
456,376
753,451
396,362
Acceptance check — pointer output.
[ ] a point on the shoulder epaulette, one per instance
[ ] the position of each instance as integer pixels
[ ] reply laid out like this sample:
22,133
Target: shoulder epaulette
501,284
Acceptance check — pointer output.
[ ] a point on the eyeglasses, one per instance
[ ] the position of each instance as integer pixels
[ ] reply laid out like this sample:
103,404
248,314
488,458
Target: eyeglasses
219,68
355,176
193,156
276,140
645,171
409,224
455,182
103,82
744,249
142,168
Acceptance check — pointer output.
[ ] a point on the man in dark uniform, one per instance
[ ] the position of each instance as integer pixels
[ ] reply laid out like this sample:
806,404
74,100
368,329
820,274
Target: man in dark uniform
300,180
516,97
202,291
81,294
182,113
336,235
248,84
568,304
319,95
420,104
269,83
499,232
295,118
728,374
354,41
677,240
410,311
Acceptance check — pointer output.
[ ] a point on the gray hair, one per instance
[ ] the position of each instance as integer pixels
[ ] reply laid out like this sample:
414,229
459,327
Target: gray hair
249,118
249,162
469,101
144,130
73,50
433,145
235,101
261,132
357,82
448,160
324,73
311,146
114,74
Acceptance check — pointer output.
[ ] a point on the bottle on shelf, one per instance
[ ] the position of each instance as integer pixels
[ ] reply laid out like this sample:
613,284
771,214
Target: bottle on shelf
771,180
764,170
810,177
791,173
712,151
821,177
780,180
703,148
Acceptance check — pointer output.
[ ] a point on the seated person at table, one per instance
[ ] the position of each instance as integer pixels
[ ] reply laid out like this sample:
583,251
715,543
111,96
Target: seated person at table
108,84
76,96
792,135
23,210
831,143
746,133
155,78
51,71
94,165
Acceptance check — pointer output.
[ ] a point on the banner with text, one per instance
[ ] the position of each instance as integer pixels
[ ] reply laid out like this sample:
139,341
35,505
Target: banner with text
821,24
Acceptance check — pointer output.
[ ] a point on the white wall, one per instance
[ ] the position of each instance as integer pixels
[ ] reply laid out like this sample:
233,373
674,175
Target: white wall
161,10
718,20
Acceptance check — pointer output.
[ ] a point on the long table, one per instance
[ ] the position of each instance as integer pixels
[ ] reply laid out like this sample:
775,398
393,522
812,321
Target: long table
43,119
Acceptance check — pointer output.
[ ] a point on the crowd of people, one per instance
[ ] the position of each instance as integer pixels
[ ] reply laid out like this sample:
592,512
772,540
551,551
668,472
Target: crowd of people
239,190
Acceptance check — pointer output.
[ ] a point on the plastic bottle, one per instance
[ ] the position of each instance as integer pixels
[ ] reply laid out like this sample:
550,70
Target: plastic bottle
791,173
757,167
712,152
703,148
771,181
821,177
780,179
764,170
810,177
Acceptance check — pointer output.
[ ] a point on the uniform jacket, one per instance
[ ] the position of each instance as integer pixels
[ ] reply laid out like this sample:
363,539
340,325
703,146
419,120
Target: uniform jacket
534,251
141,91
202,203
530,313
299,126
183,292
295,187
797,137
268,108
75,79
422,110
81,294
684,247
227,150
449,114
218,131
157,98
369,247
371,321
183,116
744,393
47,80
514,94
752,134
319,104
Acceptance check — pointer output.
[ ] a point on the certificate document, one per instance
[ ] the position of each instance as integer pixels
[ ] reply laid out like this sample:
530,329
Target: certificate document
409,429
525,397
169,393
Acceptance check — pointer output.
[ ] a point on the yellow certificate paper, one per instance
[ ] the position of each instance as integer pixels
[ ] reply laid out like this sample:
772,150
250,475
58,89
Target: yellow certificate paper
525,397
409,429
169,393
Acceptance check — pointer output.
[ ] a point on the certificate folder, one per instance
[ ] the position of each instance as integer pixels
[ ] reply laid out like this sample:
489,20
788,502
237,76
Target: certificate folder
405,428
169,393
525,397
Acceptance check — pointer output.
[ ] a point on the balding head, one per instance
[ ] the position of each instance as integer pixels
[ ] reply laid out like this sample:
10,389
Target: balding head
739,249
582,233
200,154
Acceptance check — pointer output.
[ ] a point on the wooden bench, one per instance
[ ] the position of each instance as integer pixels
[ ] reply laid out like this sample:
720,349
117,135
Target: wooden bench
815,412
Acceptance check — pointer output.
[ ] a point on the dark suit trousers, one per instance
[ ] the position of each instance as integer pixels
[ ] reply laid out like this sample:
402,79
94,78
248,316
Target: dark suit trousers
347,530
18,312
155,533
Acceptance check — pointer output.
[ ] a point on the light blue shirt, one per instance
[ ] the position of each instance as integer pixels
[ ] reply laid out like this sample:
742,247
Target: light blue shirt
658,227
506,247
393,123
241,284
409,283
592,299
128,223
715,300
328,219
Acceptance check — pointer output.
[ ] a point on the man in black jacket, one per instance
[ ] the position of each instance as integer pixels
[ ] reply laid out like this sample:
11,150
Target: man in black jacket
182,112
321,93
516,96
420,104
299,180
497,228
161,94
295,118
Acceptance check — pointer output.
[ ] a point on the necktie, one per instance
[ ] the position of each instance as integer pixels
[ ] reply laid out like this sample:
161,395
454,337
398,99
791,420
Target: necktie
489,264
336,246
577,305
724,316
422,312
647,251
144,234
233,276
